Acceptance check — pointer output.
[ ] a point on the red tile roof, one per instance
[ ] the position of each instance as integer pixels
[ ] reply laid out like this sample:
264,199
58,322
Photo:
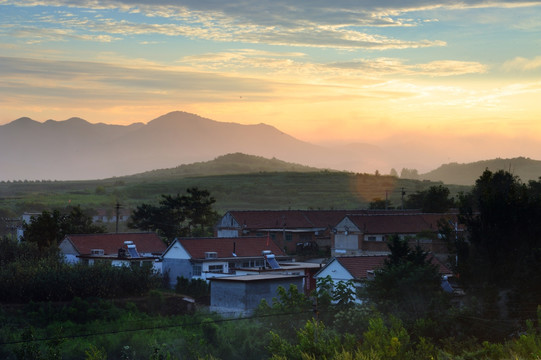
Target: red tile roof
110,243
358,266
296,219
404,223
242,246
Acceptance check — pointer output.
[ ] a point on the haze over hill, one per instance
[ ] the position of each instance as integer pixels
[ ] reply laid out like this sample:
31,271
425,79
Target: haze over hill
75,149
236,163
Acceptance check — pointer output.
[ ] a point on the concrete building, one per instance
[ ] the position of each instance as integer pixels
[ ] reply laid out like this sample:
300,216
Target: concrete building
241,295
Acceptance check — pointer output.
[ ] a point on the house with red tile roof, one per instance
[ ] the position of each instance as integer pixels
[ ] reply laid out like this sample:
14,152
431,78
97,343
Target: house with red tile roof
294,231
117,248
367,234
203,258
359,269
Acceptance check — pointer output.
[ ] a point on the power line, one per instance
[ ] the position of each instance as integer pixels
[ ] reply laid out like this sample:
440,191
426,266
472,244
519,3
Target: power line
146,328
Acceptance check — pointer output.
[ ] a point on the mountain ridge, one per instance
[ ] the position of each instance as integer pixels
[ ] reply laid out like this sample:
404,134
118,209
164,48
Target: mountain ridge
75,149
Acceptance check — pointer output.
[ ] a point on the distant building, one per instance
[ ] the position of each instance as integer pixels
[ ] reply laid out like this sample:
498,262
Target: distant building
26,218
291,230
367,234
343,232
106,217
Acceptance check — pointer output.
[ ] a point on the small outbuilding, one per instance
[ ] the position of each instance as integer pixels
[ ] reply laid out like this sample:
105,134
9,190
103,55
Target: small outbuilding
241,295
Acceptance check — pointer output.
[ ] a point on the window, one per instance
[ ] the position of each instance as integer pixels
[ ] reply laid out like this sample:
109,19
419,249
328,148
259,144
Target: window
216,268
196,270
289,236
253,263
371,238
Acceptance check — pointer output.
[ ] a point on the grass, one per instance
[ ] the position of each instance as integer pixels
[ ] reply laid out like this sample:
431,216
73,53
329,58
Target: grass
255,191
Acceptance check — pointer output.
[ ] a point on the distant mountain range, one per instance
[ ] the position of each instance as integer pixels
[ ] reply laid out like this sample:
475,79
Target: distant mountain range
75,149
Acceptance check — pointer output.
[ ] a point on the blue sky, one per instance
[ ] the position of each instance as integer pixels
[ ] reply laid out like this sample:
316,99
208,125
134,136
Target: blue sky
341,71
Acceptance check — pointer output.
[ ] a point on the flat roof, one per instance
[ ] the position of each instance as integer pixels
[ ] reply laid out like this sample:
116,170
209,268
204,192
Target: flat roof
256,277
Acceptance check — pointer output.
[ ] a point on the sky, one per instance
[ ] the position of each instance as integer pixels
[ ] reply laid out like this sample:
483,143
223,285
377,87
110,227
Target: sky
453,74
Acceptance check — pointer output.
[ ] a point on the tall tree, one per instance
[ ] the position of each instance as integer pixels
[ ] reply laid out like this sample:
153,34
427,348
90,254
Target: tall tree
179,215
501,215
436,199
49,228
199,210
409,285
44,230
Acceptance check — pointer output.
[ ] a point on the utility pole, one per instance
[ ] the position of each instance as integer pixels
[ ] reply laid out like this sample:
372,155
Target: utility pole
117,208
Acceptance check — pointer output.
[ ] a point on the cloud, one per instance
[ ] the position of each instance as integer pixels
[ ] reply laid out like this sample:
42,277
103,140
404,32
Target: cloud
392,66
106,82
341,24
274,23
522,64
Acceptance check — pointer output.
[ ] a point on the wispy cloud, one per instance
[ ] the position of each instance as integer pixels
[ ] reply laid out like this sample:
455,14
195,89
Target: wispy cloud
522,64
101,81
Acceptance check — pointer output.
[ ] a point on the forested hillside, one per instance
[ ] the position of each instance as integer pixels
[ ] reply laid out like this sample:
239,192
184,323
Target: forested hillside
466,174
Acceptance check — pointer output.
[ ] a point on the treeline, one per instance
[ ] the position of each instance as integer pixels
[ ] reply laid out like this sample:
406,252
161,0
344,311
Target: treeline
28,274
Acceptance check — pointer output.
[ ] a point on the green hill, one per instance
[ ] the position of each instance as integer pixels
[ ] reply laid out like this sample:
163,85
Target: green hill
466,174
236,163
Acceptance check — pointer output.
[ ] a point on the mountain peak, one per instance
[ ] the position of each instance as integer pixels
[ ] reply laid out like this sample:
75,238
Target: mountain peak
73,121
177,116
23,121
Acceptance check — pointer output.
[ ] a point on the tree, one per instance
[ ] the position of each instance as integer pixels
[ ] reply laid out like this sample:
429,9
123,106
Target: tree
380,204
49,228
501,216
408,286
78,222
44,230
179,215
199,210
433,200
409,174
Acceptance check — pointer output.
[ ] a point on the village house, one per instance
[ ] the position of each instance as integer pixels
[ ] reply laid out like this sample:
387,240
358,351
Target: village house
294,231
359,269
367,233
204,258
116,248
304,232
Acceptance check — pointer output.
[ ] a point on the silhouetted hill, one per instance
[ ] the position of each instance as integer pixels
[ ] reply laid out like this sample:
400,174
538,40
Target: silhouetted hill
237,163
466,174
